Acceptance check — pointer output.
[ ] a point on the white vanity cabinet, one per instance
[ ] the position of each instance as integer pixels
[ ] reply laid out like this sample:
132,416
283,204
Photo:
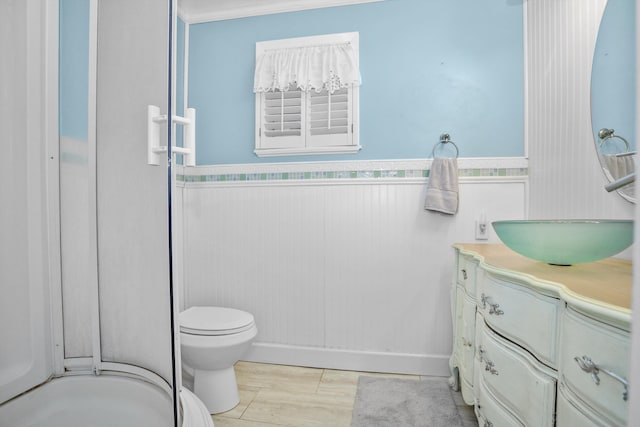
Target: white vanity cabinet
540,345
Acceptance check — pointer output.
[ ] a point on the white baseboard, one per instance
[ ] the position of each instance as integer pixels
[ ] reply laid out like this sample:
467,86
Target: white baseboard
366,361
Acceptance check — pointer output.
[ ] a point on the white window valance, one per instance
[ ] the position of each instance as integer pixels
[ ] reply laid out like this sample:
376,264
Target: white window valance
327,66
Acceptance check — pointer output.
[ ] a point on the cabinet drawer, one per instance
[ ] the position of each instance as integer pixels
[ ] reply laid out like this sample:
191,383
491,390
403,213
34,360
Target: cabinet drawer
490,412
517,380
521,314
467,273
468,332
594,361
571,413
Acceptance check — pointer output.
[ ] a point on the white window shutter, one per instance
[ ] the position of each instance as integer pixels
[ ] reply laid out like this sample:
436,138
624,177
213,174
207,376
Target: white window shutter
329,118
282,123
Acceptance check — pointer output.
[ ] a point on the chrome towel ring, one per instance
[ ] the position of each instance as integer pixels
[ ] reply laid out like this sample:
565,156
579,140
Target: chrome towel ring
605,134
444,139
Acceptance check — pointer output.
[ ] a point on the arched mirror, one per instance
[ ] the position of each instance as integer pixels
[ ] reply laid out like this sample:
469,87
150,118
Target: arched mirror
613,88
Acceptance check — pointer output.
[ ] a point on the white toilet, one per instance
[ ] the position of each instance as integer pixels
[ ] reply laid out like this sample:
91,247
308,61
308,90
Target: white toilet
212,340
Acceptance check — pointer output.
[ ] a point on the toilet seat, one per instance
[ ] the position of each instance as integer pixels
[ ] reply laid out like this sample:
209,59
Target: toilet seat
215,321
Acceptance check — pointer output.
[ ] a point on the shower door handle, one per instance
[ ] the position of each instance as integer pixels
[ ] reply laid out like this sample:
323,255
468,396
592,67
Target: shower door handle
155,150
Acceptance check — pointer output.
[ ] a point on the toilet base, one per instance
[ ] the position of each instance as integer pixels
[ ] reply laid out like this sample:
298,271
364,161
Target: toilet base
218,390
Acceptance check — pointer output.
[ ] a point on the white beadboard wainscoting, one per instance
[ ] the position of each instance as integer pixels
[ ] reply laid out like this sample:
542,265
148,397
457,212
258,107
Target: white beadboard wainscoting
344,273
566,179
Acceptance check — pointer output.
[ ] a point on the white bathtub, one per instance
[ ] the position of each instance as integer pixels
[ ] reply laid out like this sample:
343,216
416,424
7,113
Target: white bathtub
100,401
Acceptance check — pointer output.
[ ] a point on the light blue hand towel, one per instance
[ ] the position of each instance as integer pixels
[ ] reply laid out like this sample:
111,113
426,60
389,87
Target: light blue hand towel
442,187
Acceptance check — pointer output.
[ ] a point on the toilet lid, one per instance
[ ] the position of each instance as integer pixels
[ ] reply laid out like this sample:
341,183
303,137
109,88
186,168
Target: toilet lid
215,321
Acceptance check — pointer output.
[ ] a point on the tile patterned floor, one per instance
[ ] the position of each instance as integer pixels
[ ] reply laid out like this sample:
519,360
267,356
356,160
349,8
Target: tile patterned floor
277,395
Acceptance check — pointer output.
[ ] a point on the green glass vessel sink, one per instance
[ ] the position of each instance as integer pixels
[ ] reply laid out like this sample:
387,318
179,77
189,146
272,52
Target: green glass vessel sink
566,242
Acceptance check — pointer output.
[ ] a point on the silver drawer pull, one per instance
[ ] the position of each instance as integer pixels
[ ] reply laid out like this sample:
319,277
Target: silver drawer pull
488,364
466,343
493,307
464,274
489,367
587,365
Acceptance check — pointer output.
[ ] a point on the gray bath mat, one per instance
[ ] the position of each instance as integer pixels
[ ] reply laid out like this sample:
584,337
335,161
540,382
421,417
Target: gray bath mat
395,402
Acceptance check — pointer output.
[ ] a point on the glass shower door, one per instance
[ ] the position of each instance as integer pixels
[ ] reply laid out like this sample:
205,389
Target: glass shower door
134,272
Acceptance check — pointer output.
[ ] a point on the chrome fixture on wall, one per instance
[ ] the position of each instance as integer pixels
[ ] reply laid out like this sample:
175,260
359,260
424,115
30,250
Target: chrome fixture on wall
617,166
604,134
444,139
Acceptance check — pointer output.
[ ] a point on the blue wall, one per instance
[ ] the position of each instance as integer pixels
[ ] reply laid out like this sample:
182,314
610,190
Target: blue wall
428,66
74,68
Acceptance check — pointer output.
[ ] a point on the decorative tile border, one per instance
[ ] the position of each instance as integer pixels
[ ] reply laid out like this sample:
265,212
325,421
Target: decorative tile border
346,175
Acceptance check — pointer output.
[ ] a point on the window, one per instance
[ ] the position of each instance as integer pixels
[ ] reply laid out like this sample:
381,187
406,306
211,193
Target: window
307,95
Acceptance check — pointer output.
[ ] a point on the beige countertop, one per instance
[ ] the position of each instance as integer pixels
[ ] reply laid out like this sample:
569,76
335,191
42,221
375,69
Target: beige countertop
608,281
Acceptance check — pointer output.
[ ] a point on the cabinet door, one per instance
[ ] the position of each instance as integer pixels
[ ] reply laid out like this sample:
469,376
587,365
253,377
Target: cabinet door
592,355
457,293
480,326
467,346
468,330
517,380
466,275
570,413
522,315
490,412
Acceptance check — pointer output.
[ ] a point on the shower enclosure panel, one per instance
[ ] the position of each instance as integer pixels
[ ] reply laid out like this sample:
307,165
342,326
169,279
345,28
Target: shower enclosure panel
27,267
132,201
123,287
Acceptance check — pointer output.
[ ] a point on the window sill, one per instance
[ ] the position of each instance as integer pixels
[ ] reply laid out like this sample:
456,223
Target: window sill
272,152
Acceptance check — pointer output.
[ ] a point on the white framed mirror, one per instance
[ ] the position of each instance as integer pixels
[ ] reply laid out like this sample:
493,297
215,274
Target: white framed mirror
613,88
